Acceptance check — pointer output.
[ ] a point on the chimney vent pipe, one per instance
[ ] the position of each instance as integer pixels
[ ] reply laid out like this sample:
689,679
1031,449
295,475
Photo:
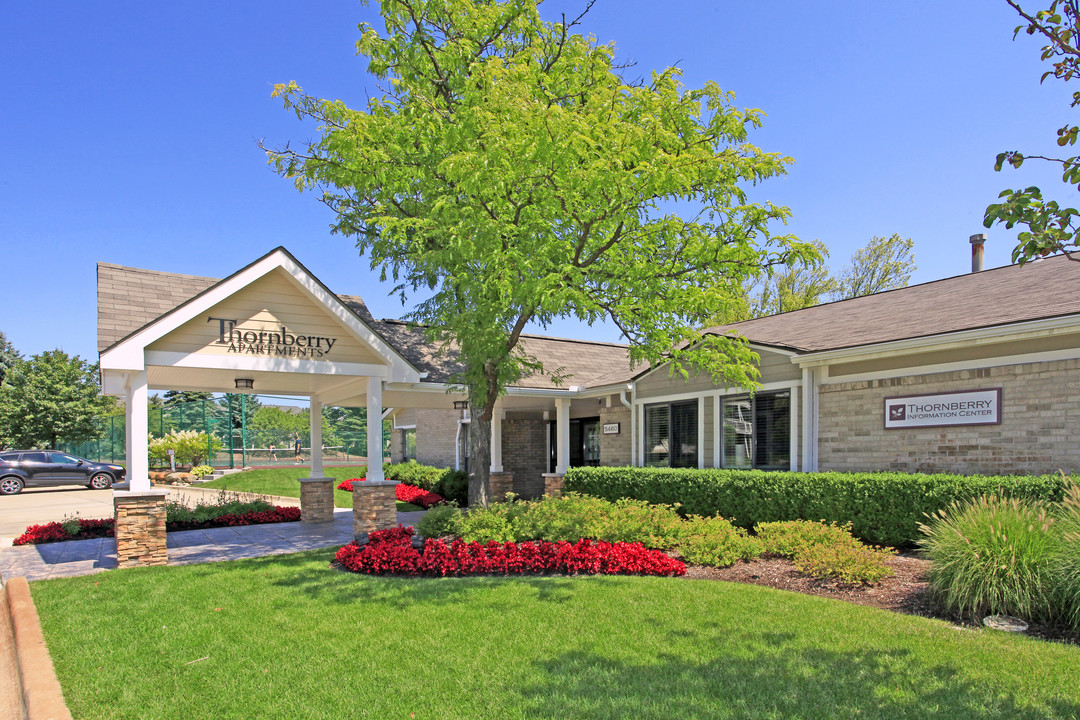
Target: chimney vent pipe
977,252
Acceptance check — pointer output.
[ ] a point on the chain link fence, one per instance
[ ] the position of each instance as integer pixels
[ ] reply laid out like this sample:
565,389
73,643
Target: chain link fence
249,432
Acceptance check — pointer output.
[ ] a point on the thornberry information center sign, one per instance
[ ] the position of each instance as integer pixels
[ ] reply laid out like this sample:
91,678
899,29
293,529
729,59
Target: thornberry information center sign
975,407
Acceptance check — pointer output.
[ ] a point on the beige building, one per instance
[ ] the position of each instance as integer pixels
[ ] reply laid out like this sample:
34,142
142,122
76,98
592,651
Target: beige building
978,373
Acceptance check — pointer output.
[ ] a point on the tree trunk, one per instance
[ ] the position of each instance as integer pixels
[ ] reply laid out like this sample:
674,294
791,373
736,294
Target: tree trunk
479,460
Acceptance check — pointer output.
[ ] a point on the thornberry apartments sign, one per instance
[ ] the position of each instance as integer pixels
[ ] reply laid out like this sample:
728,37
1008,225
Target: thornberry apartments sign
975,407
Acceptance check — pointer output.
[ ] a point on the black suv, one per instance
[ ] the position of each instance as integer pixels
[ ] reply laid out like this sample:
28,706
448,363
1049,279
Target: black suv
21,468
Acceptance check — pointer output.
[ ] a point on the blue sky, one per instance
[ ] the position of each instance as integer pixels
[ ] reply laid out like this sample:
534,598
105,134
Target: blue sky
130,131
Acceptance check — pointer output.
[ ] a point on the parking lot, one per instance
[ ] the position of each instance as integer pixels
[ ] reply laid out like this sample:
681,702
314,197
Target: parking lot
41,505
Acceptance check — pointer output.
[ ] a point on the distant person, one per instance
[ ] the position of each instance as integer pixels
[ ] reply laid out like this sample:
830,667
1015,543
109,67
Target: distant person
273,453
296,443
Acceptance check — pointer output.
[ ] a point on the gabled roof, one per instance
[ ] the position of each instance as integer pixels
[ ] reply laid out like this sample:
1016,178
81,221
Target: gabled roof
130,299
203,293
1043,289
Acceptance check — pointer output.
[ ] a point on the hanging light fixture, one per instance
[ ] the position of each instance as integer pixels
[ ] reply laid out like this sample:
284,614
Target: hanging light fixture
461,404
244,383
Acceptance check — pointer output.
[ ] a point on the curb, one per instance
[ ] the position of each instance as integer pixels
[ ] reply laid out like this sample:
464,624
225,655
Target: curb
42,697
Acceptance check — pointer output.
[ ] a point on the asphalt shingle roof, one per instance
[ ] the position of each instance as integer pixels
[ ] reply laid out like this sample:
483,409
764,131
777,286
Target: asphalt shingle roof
1047,288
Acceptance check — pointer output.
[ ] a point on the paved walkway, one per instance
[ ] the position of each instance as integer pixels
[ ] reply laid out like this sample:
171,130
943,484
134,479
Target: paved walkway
84,557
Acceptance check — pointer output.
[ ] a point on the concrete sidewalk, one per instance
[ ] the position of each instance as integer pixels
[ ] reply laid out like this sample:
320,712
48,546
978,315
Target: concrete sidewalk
84,557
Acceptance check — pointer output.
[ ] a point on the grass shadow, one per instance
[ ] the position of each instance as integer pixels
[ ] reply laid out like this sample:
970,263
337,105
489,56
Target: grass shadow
746,674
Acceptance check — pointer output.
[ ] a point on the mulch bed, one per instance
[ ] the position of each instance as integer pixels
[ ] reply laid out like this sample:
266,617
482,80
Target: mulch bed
905,592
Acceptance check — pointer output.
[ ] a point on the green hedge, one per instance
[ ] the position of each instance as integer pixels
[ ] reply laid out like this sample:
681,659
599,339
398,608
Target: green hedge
884,508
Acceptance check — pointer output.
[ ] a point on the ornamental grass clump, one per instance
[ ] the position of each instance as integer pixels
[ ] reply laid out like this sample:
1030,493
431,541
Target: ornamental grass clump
992,555
1065,564
715,541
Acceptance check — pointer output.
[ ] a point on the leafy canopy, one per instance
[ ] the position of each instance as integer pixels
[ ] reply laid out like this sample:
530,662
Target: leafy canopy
1051,227
49,399
509,173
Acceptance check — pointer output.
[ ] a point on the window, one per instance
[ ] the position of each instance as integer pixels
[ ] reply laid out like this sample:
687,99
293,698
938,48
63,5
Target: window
408,444
62,459
757,431
671,434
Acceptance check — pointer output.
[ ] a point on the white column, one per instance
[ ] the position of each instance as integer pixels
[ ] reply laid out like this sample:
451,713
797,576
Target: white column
374,429
809,420
316,438
496,439
793,444
138,427
562,426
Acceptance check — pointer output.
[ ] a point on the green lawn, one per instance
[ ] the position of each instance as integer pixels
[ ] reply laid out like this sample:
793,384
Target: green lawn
287,637
285,482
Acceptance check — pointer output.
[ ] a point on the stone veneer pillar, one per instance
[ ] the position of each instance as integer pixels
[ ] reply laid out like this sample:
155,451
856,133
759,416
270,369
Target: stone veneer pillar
374,505
500,483
317,499
553,483
140,527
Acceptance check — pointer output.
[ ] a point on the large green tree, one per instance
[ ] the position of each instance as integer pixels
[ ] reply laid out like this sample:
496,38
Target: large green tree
509,173
52,398
9,357
1051,226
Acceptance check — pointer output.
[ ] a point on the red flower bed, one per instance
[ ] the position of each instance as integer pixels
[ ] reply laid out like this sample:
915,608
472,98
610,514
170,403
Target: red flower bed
404,493
390,552
55,532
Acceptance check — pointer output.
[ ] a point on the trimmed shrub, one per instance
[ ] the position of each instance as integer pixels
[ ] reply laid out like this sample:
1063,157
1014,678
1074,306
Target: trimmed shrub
883,508
847,562
715,541
992,555
486,524
440,521
787,538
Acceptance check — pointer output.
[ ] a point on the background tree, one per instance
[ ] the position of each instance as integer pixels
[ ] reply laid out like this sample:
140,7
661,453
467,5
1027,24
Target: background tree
236,412
9,357
509,174
52,398
884,264
1051,227
795,286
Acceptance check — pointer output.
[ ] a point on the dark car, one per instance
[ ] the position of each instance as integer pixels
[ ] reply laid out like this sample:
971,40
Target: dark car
40,468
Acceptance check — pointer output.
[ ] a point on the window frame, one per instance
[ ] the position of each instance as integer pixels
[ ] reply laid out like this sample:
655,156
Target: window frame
674,439
753,422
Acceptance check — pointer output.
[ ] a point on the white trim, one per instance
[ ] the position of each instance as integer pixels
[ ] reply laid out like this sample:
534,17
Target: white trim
793,444
701,432
263,364
765,387
979,364
718,426
128,354
1046,327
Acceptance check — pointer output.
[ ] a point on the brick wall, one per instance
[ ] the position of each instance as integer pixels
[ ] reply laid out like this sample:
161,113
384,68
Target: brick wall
615,449
1040,414
435,433
525,454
